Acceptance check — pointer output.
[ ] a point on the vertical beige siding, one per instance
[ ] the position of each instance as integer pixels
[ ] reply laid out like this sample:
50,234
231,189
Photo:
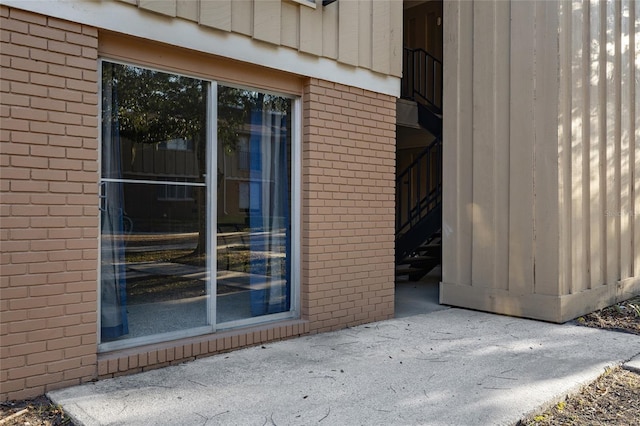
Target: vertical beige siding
380,40
360,33
187,9
540,156
522,144
310,37
329,31
499,119
241,16
348,33
290,25
364,33
634,111
599,130
159,6
545,176
266,20
457,158
216,14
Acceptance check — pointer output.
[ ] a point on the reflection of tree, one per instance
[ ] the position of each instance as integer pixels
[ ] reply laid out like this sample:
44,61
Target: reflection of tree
235,106
155,107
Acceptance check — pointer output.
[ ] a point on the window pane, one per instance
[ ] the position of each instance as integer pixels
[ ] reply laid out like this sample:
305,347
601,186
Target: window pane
153,203
166,265
160,120
254,227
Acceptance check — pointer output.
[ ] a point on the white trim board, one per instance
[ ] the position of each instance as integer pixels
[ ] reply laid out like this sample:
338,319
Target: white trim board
123,18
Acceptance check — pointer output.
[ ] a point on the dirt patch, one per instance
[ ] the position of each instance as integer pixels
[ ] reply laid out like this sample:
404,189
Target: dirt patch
623,316
613,399
39,411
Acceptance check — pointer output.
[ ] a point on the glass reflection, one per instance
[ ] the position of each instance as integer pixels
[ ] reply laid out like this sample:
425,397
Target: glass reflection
253,235
153,203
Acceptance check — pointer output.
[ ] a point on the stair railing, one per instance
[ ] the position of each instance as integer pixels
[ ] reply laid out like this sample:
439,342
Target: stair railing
419,188
422,77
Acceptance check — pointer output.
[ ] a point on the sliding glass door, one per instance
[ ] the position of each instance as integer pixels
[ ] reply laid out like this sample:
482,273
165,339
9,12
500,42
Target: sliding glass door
195,206
254,205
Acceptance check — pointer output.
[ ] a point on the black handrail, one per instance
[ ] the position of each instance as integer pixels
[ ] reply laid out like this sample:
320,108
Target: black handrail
422,77
419,187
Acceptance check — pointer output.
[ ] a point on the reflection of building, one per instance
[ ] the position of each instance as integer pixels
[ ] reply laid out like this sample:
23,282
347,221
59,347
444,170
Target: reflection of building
538,204
173,160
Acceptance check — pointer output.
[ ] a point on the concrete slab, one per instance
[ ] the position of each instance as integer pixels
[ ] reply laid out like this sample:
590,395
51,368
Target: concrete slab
417,298
633,364
451,367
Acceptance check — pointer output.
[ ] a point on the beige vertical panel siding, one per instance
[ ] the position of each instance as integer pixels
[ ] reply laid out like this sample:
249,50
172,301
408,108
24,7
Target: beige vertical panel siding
634,99
216,14
491,128
457,158
241,16
595,141
361,33
395,38
627,163
521,146
485,145
576,95
266,20
598,75
545,177
290,25
381,36
330,30
164,7
501,127
564,155
310,38
563,111
364,33
348,31
187,9
501,158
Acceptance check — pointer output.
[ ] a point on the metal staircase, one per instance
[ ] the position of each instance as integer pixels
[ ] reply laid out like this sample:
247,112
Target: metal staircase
419,185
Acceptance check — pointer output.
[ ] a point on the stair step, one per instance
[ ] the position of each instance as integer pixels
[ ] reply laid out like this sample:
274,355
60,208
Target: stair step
408,271
416,259
430,251
425,264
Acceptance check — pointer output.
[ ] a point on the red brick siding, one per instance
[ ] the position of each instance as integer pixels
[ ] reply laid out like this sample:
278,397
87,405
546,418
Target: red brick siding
48,216
348,206
159,355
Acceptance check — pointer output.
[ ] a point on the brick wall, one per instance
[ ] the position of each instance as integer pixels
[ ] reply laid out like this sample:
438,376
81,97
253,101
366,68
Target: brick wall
48,216
160,355
348,206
